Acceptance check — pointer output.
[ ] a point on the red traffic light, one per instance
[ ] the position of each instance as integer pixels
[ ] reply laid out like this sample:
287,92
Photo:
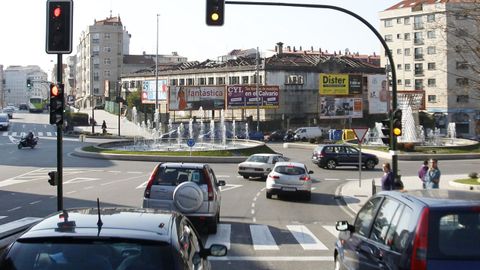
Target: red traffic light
54,90
57,11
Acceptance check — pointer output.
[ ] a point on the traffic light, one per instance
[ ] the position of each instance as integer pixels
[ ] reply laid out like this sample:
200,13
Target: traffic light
57,103
53,178
397,123
59,26
386,131
215,12
29,84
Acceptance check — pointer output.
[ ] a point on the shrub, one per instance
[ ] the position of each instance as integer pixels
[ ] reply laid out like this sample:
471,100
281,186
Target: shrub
473,175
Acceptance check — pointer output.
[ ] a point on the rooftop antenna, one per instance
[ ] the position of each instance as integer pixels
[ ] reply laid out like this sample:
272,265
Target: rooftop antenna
99,222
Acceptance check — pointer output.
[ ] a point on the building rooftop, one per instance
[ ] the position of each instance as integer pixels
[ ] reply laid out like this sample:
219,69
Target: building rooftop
414,3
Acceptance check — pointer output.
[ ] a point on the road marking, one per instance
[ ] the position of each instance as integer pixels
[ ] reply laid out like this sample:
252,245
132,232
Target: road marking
274,258
2,217
114,171
14,133
13,209
135,172
35,202
143,185
80,180
221,237
223,176
262,238
49,133
331,179
229,187
331,229
17,224
40,134
306,238
71,192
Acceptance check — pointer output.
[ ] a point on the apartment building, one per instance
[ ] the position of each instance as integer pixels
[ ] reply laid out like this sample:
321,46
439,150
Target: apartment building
16,91
431,42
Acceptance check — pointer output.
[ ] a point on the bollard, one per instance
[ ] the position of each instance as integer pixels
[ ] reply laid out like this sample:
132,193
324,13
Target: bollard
81,137
374,188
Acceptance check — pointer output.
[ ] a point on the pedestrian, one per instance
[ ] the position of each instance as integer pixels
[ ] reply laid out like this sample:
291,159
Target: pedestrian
387,178
422,172
432,177
104,127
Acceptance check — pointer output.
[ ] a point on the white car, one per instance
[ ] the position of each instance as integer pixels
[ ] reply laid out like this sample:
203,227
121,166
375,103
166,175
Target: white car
259,165
289,178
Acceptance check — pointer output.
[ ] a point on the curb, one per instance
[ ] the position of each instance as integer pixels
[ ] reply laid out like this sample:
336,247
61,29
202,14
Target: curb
464,186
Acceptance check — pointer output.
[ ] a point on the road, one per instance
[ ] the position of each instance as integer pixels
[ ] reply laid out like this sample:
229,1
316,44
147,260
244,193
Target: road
260,233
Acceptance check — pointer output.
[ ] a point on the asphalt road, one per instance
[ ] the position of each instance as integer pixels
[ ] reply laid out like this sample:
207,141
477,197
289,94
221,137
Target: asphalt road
281,233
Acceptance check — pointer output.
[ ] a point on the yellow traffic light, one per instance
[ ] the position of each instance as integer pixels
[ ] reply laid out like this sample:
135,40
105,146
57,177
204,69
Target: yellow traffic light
397,131
214,16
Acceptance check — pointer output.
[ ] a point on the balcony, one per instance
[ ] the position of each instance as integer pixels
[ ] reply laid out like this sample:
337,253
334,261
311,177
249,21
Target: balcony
418,72
418,41
418,56
418,26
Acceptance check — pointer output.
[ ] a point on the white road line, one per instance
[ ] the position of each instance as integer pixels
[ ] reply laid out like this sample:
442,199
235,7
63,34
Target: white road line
40,134
331,229
70,192
35,202
17,224
4,133
331,179
223,176
253,205
229,187
49,133
221,237
262,238
306,238
135,172
143,185
2,217
352,179
13,209
114,171
274,258
14,133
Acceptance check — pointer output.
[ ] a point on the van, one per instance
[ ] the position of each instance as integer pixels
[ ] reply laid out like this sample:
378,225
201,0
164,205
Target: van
306,133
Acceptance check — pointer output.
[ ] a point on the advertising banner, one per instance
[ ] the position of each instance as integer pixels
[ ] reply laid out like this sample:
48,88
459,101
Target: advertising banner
245,96
149,93
188,98
378,94
335,108
355,84
333,84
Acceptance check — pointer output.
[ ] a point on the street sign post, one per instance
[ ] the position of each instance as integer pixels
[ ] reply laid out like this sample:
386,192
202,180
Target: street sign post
360,134
191,143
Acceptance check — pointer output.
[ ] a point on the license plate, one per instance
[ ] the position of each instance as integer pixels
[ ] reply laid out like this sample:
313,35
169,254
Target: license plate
289,189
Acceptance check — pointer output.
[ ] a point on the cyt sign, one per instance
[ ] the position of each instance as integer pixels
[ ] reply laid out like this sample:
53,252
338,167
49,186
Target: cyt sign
59,26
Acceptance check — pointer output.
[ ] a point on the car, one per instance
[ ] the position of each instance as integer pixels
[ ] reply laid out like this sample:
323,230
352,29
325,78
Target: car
9,111
332,155
417,229
110,238
289,178
189,188
259,165
23,107
275,136
4,121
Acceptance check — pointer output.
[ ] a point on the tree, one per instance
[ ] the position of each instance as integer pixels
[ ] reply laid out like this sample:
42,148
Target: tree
133,100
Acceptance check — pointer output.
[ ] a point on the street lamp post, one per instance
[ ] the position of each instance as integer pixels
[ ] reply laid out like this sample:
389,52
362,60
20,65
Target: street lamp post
157,108
91,95
256,87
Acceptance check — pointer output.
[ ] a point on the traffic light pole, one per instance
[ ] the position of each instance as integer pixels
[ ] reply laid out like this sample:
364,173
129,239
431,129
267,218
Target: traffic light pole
59,143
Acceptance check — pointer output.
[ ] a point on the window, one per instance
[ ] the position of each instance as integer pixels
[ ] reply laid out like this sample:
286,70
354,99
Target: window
399,20
107,49
107,61
106,73
418,38
417,22
407,52
431,66
399,82
181,82
431,34
419,84
418,53
431,50
399,51
234,80
430,17
462,81
388,23
190,81
173,81
462,99
220,80
365,216
388,38
244,79
382,223
399,66
406,20
462,65
399,36
398,235
106,35
202,81
432,82
418,69
407,67
408,82
432,98
406,36
211,80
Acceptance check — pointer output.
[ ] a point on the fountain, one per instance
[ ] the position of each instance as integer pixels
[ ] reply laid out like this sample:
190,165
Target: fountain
190,128
212,131
246,132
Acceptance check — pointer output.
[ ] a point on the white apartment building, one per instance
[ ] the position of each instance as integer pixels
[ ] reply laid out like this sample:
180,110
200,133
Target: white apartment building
429,41
16,90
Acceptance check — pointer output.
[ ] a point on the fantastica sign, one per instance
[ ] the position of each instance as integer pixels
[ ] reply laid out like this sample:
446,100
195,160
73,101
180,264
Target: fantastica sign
187,98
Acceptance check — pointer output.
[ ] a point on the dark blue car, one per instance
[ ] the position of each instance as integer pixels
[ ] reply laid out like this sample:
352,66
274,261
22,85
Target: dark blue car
417,230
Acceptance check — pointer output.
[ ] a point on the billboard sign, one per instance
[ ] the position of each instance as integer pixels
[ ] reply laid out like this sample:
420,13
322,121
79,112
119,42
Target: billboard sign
336,108
149,92
333,84
245,96
378,95
188,98
355,84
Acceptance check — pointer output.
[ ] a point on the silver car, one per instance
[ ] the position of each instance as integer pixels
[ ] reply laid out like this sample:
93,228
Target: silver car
259,165
288,178
189,188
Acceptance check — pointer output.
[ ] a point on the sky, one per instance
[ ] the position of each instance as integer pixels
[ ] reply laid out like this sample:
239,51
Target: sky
182,27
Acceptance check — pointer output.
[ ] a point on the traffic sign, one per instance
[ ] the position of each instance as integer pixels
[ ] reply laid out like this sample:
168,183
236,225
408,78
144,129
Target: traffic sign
360,133
190,142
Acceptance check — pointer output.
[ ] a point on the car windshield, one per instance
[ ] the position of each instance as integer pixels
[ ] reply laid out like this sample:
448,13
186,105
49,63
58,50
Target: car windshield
99,254
262,159
459,227
290,170
172,176
3,119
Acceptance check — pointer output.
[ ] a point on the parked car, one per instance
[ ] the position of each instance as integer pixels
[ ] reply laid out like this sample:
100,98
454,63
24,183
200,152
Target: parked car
259,165
110,238
332,155
420,229
253,135
4,121
288,178
306,133
9,111
189,188
275,136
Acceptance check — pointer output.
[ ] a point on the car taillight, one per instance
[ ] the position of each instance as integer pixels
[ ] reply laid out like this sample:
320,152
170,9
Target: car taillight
273,177
305,178
321,155
209,186
150,182
420,243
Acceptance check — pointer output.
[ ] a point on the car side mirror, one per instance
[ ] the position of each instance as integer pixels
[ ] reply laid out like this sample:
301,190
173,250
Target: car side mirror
221,183
343,226
215,250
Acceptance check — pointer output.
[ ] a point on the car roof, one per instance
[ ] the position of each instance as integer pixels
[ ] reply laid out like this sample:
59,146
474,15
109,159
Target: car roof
289,163
440,198
183,165
4,114
133,223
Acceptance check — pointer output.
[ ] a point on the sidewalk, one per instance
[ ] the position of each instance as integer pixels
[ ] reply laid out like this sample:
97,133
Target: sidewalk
355,196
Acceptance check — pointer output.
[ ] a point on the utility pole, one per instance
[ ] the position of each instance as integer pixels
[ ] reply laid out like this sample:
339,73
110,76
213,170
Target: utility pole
157,108
256,86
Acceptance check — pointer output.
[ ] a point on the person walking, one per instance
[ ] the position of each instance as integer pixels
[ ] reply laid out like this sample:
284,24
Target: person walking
422,172
387,178
104,127
432,177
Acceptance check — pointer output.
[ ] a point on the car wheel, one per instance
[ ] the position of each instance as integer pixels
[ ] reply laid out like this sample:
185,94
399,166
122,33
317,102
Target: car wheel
308,196
331,164
268,195
245,177
370,164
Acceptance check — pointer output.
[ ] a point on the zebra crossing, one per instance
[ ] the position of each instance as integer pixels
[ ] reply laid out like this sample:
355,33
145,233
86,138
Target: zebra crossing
23,133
